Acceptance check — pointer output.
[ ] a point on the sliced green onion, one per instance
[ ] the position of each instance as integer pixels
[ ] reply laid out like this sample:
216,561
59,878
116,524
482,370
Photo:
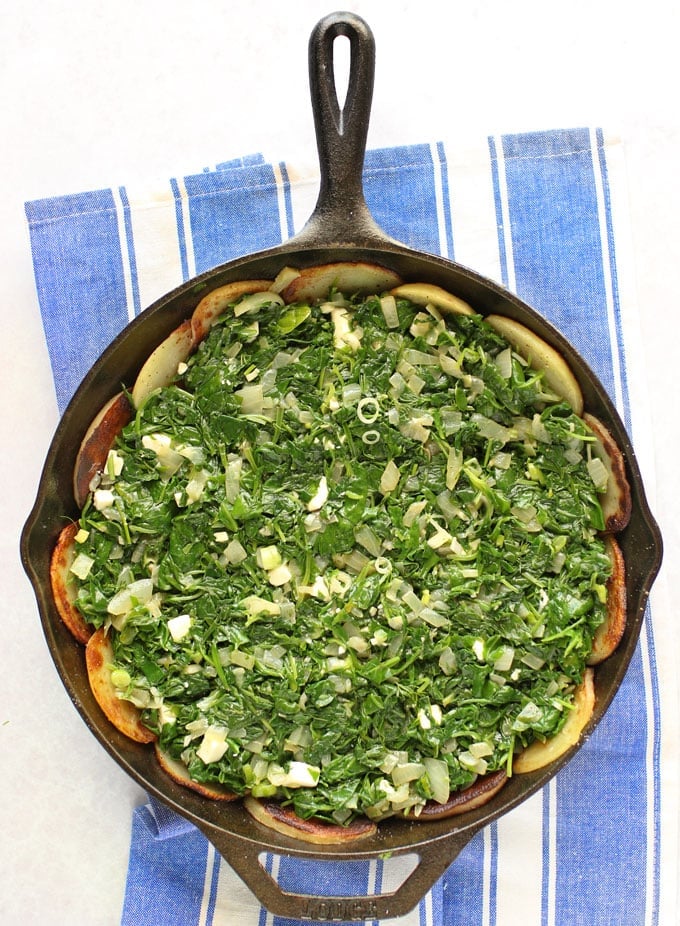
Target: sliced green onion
368,410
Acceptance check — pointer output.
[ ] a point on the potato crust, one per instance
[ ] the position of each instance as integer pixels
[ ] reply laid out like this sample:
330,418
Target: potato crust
427,294
609,633
98,440
161,366
215,302
476,795
541,357
539,754
179,773
62,584
616,502
350,276
124,716
277,817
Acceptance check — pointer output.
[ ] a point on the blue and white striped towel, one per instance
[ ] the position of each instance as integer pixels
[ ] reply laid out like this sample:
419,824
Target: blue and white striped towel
543,213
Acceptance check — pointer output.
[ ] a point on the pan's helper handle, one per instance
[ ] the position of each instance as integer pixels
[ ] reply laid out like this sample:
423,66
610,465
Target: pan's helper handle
341,215
244,856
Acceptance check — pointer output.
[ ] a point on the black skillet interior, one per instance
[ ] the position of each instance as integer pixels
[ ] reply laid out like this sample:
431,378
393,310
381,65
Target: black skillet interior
341,228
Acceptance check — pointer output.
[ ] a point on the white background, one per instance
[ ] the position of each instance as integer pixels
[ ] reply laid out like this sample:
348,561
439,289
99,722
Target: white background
93,95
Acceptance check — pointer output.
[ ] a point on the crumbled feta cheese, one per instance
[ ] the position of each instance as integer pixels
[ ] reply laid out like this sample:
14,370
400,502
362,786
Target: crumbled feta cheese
103,499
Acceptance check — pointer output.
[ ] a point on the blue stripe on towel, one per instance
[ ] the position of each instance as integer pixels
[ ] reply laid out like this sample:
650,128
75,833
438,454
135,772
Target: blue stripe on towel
182,232
394,176
166,876
130,248
556,237
233,212
446,197
463,886
288,201
80,281
321,879
601,817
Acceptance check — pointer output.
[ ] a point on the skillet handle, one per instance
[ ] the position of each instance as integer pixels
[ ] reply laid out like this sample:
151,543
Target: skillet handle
247,858
341,215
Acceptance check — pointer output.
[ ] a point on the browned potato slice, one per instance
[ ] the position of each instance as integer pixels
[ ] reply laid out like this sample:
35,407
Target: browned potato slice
348,276
211,306
63,588
283,820
179,773
616,501
97,442
161,365
122,714
428,294
541,357
541,754
476,795
609,633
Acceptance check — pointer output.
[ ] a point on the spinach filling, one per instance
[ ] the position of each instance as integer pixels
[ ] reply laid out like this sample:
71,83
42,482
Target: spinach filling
350,557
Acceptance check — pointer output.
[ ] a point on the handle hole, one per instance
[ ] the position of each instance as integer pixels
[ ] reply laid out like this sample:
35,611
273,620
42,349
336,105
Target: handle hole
337,878
342,57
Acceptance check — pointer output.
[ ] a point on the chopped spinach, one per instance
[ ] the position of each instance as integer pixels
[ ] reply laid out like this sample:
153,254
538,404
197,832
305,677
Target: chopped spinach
335,560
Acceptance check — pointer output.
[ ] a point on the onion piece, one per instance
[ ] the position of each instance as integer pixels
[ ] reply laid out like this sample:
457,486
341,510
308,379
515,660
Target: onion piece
253,302
388,304
438,775
390,478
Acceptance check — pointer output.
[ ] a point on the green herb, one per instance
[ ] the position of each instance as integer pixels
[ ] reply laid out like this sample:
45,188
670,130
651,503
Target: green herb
355,571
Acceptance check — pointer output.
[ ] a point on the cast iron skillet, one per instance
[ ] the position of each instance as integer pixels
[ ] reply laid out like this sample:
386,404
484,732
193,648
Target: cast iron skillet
340,228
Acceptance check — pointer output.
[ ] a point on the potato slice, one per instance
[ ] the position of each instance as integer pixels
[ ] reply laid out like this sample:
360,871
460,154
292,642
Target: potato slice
541,357
429,294
616,502
213,305
539,754
123,714
161,366
179,773
609,633
63,588
98,440
476,795
348,276
272,814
